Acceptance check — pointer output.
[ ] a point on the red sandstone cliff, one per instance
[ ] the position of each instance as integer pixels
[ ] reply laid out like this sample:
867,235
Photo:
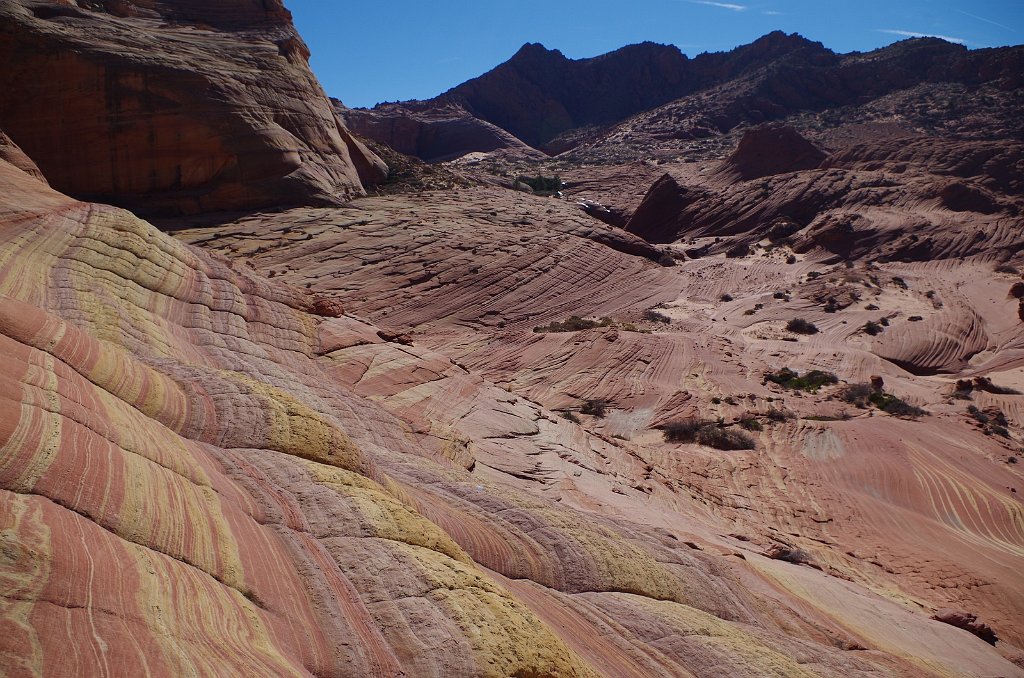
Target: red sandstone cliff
174,107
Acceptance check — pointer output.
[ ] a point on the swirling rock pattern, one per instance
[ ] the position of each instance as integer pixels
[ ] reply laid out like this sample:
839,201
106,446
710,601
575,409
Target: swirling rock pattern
919,513
200,475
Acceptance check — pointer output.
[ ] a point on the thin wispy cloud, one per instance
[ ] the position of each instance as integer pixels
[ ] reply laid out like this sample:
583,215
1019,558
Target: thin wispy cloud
724,5
988,21
915,34
771,12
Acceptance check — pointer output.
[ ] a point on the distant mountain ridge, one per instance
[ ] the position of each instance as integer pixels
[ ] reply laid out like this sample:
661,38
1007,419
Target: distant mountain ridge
539,94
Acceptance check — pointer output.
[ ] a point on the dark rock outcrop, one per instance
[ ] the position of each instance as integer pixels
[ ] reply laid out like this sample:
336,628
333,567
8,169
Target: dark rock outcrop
772,149
665,212
968,622
174,107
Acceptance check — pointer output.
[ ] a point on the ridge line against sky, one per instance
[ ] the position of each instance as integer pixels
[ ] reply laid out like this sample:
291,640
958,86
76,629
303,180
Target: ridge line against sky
364,54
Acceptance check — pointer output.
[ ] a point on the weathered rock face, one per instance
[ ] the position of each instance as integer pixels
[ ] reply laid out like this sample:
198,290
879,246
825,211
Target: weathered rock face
174,106
664,212
909,199
772,149
432,134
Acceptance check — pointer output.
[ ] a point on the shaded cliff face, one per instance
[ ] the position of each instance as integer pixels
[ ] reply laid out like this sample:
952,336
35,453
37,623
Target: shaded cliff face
170,107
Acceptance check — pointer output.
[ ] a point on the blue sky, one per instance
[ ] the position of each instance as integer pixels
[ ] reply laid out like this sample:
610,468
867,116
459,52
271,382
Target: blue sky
365,52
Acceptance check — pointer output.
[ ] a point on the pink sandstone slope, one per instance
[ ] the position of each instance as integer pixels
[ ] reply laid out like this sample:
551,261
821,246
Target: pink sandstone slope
199,475
923,513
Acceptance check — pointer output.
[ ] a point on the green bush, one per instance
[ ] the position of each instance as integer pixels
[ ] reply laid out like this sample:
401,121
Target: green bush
863,395
810,381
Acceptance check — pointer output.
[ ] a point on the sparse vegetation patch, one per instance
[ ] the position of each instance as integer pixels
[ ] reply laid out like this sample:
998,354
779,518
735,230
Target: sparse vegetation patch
709,433
865,395
573,324
810,381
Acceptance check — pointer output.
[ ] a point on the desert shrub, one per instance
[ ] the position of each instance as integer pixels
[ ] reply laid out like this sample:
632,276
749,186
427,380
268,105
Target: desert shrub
801,326
915,318
707,433
810,381
725,297
831,305
573,324
863,395
897,407
985,384
683,430
900,282
977,415
596,408
751,423
857,394
871,307
842,416
655,317
542,185
777,415
781,295
1007,268
791,259
571,416
872,328
722,438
